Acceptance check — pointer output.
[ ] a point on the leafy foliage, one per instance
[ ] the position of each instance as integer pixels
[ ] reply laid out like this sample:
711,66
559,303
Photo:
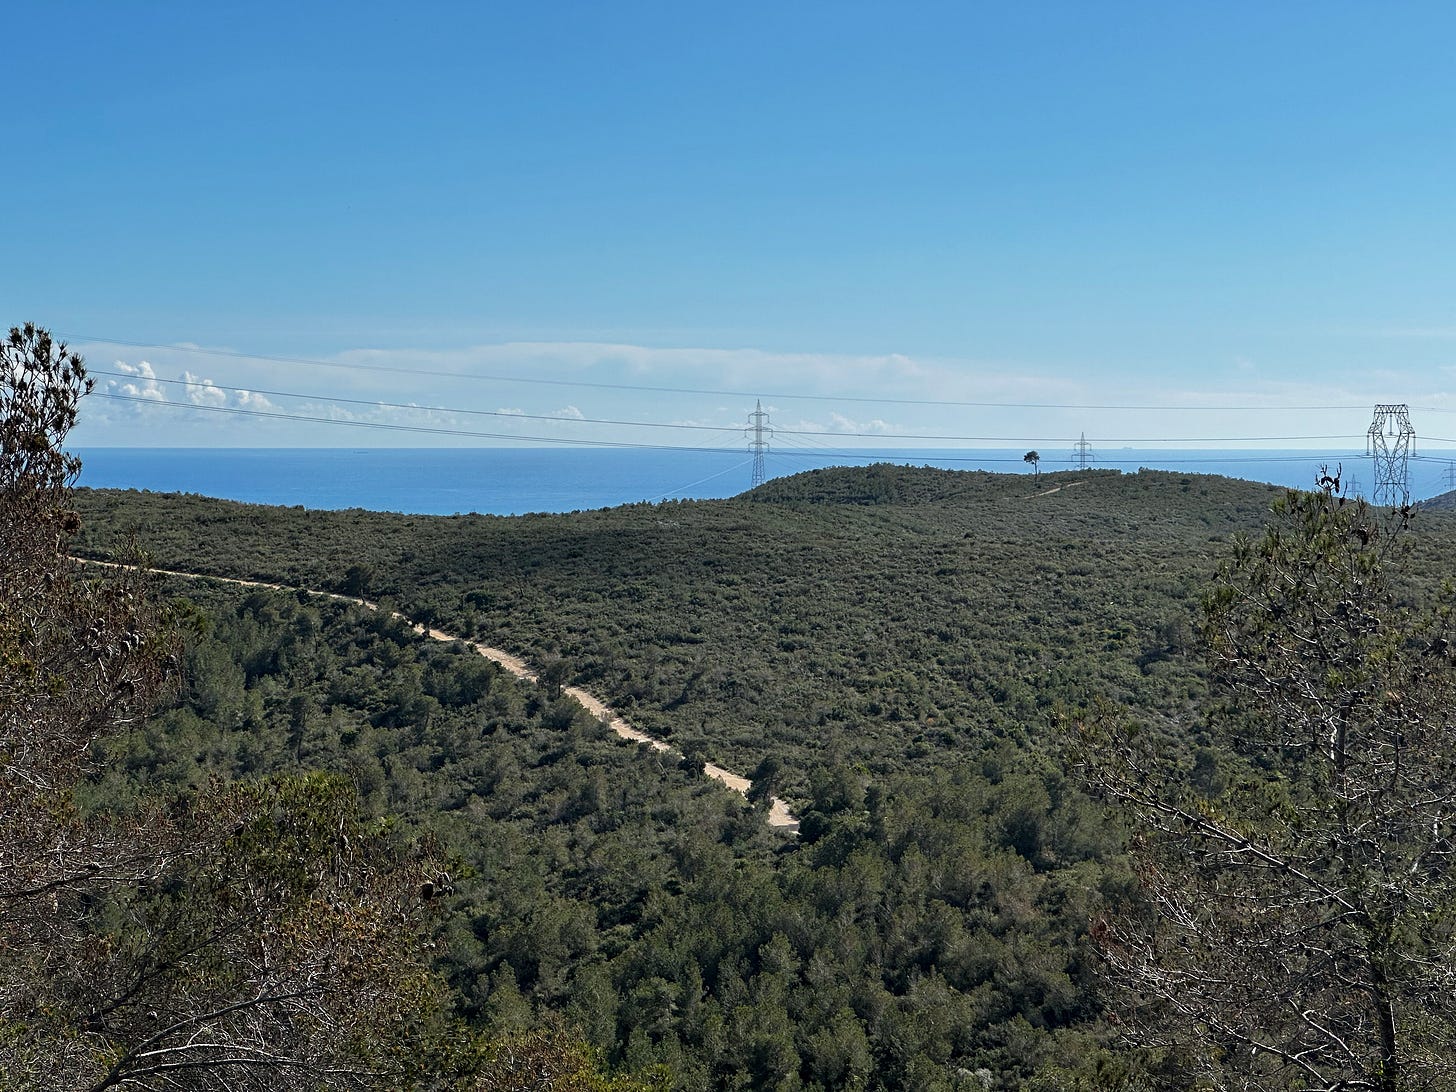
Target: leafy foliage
1297,918
891,643
886,615
239,936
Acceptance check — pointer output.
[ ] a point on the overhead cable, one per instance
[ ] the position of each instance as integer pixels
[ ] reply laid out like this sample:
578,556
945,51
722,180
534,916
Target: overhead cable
729,429
781,396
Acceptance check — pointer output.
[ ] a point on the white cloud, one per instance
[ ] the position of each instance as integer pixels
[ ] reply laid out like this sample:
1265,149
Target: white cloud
743,370
836,424
206,392
840,423
203,392
411,415
893,399
329,411
255,401
145,387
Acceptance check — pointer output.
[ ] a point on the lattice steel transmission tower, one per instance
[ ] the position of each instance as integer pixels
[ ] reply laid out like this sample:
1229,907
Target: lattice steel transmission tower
1389,443
1082,453
758,433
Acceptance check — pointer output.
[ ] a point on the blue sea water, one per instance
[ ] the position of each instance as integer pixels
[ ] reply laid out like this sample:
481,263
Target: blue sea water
512,481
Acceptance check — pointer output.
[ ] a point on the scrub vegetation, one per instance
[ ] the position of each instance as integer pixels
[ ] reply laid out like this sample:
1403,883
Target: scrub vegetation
898,651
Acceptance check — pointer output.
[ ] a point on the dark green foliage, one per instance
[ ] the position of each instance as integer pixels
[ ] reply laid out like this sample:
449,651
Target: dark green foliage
647,905
889,644
238,935
887,613
1294,926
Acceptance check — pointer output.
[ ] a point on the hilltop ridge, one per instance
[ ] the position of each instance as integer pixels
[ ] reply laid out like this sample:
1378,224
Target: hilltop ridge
881,611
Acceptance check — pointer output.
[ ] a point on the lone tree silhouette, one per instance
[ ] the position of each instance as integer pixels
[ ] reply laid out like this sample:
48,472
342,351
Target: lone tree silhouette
1034,458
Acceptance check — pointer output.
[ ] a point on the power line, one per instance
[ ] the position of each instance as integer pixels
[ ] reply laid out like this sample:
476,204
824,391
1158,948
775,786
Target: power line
700,481
782,396
512,415
375,403
396,427
815,452
440,431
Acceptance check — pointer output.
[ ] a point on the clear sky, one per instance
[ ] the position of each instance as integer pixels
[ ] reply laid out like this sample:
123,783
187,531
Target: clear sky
847,209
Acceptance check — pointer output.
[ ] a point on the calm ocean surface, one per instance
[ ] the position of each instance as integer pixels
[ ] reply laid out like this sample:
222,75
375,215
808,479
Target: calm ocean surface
511,481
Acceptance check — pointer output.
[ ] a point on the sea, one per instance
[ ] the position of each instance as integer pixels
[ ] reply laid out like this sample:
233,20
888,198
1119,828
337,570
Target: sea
515,481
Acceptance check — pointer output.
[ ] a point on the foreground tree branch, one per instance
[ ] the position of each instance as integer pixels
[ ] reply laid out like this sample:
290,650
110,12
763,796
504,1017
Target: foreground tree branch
1297,928
255,935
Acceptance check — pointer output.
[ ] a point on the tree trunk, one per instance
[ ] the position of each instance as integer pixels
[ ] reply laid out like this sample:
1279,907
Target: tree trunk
1388,1079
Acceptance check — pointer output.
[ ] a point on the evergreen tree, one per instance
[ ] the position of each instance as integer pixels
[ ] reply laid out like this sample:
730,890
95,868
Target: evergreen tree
257,935
1296,925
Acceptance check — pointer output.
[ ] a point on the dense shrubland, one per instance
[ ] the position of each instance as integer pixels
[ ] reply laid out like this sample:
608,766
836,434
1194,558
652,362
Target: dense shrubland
178,909
882,615
891,644
918,928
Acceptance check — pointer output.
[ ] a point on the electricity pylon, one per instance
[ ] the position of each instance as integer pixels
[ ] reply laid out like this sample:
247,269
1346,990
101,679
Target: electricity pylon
758,432
1389,443
1082,453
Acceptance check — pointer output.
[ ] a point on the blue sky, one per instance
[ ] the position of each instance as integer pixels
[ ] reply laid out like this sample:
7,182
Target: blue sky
847,209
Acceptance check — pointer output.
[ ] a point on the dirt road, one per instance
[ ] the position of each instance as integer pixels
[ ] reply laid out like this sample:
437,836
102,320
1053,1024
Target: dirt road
1055,489
779,816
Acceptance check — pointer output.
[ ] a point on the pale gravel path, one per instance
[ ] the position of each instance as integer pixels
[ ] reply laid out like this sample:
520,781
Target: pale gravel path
1057,489
779,816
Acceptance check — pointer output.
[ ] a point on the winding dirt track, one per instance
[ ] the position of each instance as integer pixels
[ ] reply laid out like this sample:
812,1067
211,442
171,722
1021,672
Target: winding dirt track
779,816
1056,489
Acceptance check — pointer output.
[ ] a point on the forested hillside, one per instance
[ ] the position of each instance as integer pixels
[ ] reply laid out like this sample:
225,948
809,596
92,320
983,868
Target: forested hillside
878,616
887,645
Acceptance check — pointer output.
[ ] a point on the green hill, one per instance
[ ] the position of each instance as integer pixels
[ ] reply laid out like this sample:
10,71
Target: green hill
880,614
887,645
1441,502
